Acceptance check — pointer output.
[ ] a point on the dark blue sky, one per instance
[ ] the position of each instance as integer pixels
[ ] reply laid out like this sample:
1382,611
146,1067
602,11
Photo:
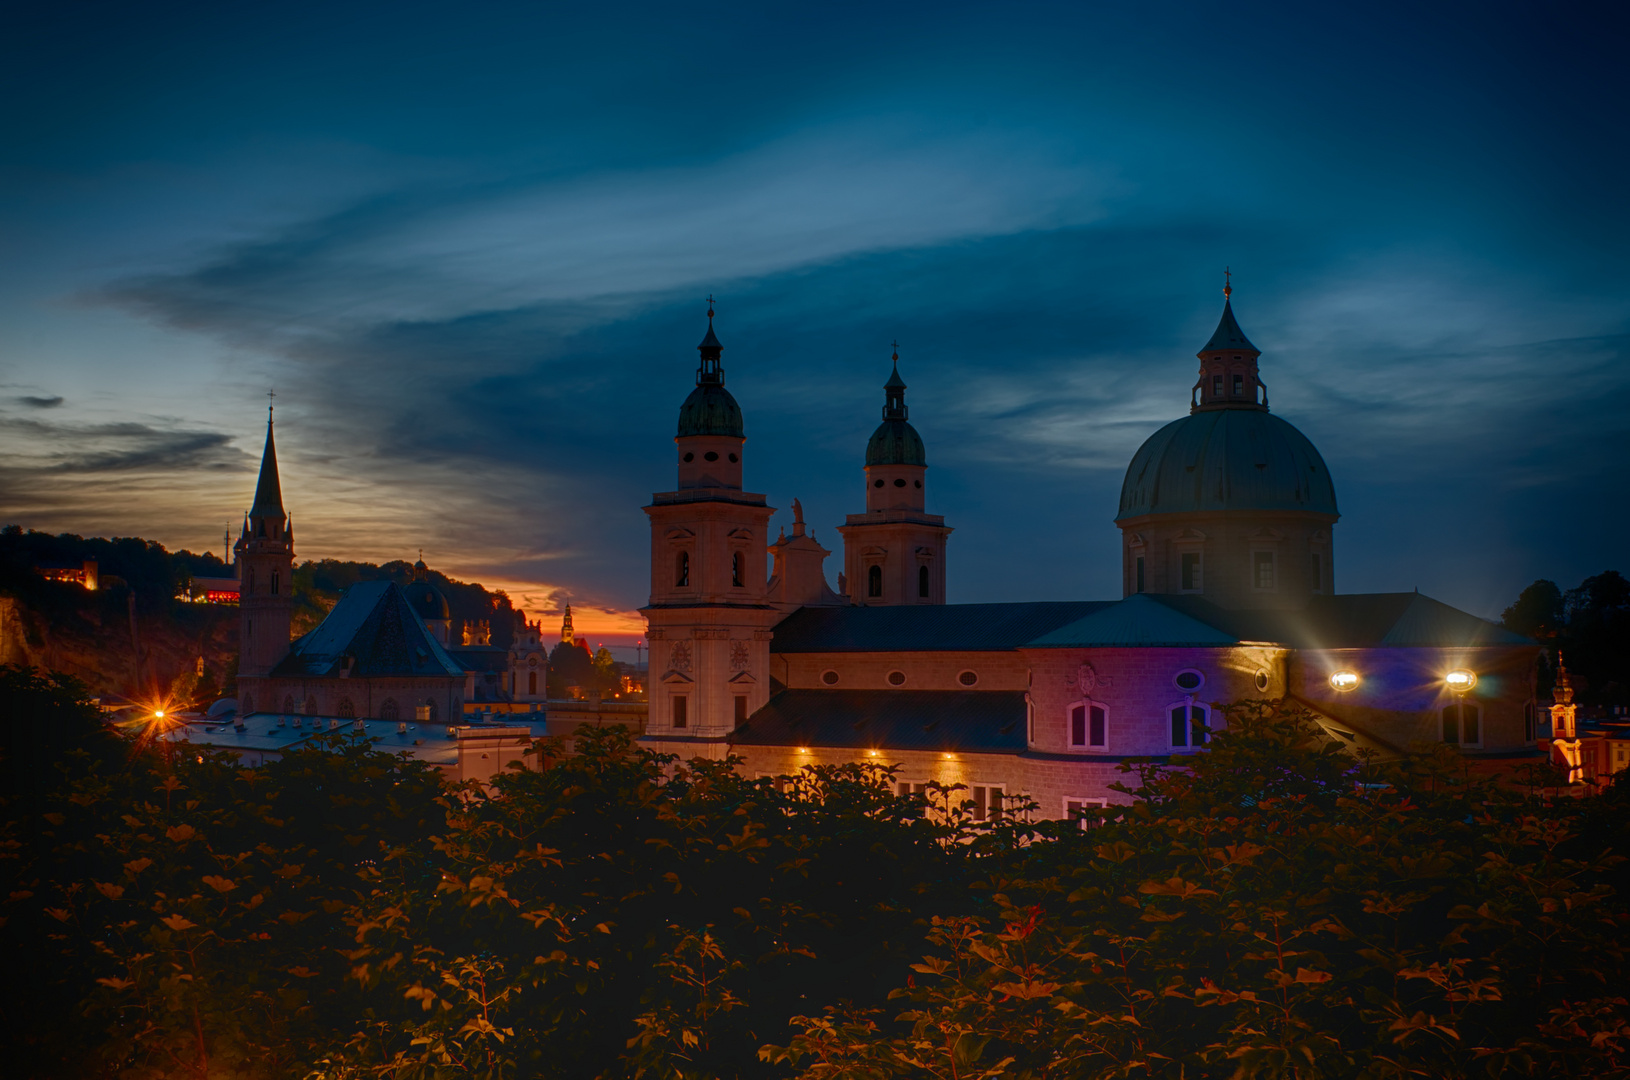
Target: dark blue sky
470,247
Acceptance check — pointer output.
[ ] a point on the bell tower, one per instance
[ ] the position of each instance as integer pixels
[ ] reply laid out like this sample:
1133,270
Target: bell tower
709,612
894,553
265,560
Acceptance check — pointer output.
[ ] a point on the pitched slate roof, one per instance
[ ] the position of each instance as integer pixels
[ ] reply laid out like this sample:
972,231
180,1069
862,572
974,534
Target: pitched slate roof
374,624
1139,620
969,721
929,628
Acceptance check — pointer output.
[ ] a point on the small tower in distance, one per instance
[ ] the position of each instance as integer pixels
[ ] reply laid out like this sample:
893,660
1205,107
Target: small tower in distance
566,626
265,561
894,553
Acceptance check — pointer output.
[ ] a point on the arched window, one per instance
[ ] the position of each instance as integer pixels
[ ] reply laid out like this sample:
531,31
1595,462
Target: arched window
388,709
1461,724
532,683
922,582
345,709
251,579
735,569
682,569
874,581
274,582
288,703
1190,724
1089,726
311,706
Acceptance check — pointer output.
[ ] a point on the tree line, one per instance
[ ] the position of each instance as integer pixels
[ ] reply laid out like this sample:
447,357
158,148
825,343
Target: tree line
1274,908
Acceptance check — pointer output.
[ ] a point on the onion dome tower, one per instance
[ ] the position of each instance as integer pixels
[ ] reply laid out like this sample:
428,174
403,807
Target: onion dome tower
1231,502
894,553
428,602
709,611
265,561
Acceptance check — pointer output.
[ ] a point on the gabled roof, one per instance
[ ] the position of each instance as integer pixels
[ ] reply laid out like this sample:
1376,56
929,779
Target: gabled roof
928,628
1139,620
969,721
1398,620
373,624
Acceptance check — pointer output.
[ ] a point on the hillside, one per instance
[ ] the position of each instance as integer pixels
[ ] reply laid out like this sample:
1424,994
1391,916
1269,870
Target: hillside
132,637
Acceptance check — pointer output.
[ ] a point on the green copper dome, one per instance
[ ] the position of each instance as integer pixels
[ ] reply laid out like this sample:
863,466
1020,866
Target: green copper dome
895,442
1227,459
710,410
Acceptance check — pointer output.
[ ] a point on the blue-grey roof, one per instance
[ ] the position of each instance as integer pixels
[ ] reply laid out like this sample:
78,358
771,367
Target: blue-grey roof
970,721
1139,620
1227,459
1228,335
928,628
896,442
374,624
710,410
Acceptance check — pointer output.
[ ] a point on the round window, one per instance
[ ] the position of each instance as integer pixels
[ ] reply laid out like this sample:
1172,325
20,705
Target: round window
1262,680
830,678
919,483
1188,681
690,457
711,455
897,678
734,459
968,678
901,482
877,483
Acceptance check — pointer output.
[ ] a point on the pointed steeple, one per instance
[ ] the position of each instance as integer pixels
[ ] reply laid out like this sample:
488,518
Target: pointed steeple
1228,336
268,491
711,370
894,391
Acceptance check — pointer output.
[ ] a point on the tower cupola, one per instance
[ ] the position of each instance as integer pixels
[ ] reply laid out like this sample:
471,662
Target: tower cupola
1229,378
710,436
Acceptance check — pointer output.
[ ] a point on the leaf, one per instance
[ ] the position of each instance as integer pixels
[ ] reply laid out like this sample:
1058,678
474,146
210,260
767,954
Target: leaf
219,884
1308,975
57,913
1174,887
112,892
117,984
178,922
180,834
136,866
301,972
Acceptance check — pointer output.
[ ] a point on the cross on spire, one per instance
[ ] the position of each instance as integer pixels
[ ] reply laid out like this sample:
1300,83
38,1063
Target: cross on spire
895,345
710,306
1228,282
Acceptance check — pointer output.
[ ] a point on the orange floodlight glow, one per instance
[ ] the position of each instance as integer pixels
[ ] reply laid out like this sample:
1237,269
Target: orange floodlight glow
1344,680
1460,680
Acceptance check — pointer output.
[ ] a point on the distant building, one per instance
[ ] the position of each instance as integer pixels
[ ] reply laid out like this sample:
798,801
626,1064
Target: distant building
84,574
1228,593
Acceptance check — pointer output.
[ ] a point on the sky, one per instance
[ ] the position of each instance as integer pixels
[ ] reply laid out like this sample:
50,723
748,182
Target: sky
469,246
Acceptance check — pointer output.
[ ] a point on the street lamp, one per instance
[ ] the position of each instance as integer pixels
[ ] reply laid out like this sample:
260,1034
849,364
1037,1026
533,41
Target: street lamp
1344,680
1460,680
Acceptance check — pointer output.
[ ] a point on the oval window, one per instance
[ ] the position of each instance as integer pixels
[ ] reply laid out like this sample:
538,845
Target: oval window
1262,680
690,457
734,459
919,483
897,678
968,678
830,678
1189,681
900,482
877,483
711,455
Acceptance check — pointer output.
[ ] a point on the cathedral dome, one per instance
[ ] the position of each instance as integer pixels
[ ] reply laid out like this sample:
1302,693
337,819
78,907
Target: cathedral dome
710,410
424,598
1226,459
896,442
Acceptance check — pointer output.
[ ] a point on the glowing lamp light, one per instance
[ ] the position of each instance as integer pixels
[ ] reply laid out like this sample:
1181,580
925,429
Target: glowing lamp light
1460,680
1344,680
803,749
159,713
871,753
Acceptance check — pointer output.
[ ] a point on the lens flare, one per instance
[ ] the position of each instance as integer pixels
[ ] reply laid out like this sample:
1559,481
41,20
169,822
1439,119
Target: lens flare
1344,680
1460,680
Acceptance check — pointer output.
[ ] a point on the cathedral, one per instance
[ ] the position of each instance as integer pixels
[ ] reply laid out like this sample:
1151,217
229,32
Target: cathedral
1228,568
